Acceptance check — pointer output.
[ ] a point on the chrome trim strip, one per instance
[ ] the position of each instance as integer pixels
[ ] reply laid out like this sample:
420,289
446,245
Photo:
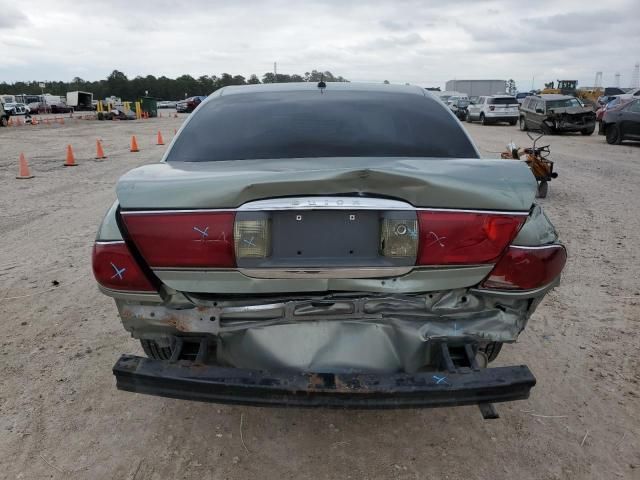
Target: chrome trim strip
192,269
325,203
131,296
300,269
322,203
164,212
517,294
234,282
109,242
322,273
539,247
355,272
492,212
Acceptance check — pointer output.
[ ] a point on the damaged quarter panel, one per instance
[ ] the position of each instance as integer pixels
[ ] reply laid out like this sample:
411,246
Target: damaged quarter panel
537,230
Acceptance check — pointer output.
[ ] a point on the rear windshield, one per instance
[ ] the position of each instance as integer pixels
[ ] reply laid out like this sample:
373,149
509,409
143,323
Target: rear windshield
502,101
303,124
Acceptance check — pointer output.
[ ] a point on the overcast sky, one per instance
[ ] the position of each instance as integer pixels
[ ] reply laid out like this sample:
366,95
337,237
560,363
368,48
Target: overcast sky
423,42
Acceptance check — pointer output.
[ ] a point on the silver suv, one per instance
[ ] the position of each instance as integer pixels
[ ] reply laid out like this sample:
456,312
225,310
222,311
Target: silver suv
494,109
4,116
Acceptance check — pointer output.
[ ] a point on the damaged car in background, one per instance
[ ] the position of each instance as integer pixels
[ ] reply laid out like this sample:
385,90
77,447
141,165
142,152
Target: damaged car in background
555,113
334,245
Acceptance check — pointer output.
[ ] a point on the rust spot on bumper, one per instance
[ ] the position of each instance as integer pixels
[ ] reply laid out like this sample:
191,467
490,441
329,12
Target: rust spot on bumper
336,383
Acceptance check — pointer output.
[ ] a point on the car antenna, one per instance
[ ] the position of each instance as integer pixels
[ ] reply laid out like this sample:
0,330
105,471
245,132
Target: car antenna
321,84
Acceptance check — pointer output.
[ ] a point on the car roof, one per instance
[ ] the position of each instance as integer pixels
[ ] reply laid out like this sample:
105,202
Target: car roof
554,96
330,86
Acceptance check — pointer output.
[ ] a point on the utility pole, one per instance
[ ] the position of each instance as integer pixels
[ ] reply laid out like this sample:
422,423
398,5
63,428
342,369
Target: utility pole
617,82
598,82
275,71
635,79
44,100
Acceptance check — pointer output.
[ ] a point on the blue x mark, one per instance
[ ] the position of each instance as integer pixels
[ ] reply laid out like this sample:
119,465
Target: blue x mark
440,380
119,272
249,241
204,233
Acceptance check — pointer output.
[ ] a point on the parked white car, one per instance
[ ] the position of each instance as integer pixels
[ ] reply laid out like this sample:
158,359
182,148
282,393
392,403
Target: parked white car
494,109
630,95
16,108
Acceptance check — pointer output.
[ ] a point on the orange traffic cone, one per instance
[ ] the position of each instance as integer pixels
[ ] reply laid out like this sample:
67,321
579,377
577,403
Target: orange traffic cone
71,160
10,122
160,139
134,144
99,151
61,121
23,171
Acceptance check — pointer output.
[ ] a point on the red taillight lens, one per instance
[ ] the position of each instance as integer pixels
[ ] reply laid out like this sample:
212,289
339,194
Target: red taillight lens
183,239
457,238
525,268
114,267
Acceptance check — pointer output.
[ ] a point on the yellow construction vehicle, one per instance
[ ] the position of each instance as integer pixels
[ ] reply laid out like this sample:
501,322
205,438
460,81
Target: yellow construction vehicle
570,87
565,87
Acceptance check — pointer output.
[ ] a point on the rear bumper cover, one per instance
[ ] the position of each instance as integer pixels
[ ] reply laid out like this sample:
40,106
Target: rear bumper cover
502,117
192,381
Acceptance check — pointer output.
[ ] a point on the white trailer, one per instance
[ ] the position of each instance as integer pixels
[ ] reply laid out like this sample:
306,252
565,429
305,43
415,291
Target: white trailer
80,100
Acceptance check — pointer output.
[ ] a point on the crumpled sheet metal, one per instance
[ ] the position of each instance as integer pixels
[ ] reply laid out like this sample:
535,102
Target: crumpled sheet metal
538,230
423,182
389,334
381,346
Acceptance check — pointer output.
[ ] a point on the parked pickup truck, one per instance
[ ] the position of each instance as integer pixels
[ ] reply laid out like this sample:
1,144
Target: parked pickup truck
339,245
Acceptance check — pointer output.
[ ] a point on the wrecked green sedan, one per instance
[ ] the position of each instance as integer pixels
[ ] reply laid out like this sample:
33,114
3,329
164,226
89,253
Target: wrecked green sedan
339,245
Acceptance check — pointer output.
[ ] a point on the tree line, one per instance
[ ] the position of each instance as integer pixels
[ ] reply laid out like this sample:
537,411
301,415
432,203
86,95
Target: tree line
164,88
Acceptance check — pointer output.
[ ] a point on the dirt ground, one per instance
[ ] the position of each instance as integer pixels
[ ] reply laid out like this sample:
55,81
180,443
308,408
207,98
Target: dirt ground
61,416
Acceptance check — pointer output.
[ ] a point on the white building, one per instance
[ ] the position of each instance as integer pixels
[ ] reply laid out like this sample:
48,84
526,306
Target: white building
475,88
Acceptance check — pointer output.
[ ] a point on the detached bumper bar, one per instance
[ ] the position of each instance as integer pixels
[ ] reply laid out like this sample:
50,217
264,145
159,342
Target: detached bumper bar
192,381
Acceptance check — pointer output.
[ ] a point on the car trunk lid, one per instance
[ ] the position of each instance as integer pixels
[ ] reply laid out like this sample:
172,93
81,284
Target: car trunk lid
502,185
194,223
